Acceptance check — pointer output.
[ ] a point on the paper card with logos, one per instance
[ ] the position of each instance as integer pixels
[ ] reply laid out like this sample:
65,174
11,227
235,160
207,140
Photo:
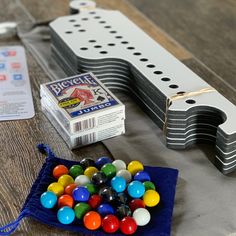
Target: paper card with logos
16,101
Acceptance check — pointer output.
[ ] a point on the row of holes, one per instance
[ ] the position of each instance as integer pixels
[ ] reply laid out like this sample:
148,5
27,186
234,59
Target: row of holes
102,22
85,19
165,79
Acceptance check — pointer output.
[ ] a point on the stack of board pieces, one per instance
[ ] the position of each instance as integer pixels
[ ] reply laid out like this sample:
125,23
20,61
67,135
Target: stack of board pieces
126,59
82,110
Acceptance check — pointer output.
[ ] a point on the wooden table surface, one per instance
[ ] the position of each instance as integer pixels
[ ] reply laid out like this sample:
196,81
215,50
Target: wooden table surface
20,159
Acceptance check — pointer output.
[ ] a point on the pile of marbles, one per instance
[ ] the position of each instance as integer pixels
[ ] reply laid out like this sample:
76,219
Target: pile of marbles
102,194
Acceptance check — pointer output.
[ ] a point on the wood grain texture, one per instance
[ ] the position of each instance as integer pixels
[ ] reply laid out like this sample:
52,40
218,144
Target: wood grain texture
20,161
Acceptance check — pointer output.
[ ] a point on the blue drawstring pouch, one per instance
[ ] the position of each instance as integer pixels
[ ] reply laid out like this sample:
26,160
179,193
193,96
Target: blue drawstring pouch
164,178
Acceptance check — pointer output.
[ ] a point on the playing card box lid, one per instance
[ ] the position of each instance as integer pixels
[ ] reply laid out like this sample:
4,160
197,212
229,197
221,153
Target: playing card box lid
83,98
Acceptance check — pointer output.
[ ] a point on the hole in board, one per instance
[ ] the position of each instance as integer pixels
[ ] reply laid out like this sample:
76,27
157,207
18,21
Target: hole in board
157,72
103,52
150,66
180,93
173,86
143,59
137,53
83,48
165,79
97,46
190,101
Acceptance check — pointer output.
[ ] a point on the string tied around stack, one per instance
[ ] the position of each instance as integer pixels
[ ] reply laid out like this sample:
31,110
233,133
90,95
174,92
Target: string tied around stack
182,96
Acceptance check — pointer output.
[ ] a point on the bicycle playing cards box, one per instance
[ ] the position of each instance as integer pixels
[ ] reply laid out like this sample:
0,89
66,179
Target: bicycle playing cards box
82,102
82,110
